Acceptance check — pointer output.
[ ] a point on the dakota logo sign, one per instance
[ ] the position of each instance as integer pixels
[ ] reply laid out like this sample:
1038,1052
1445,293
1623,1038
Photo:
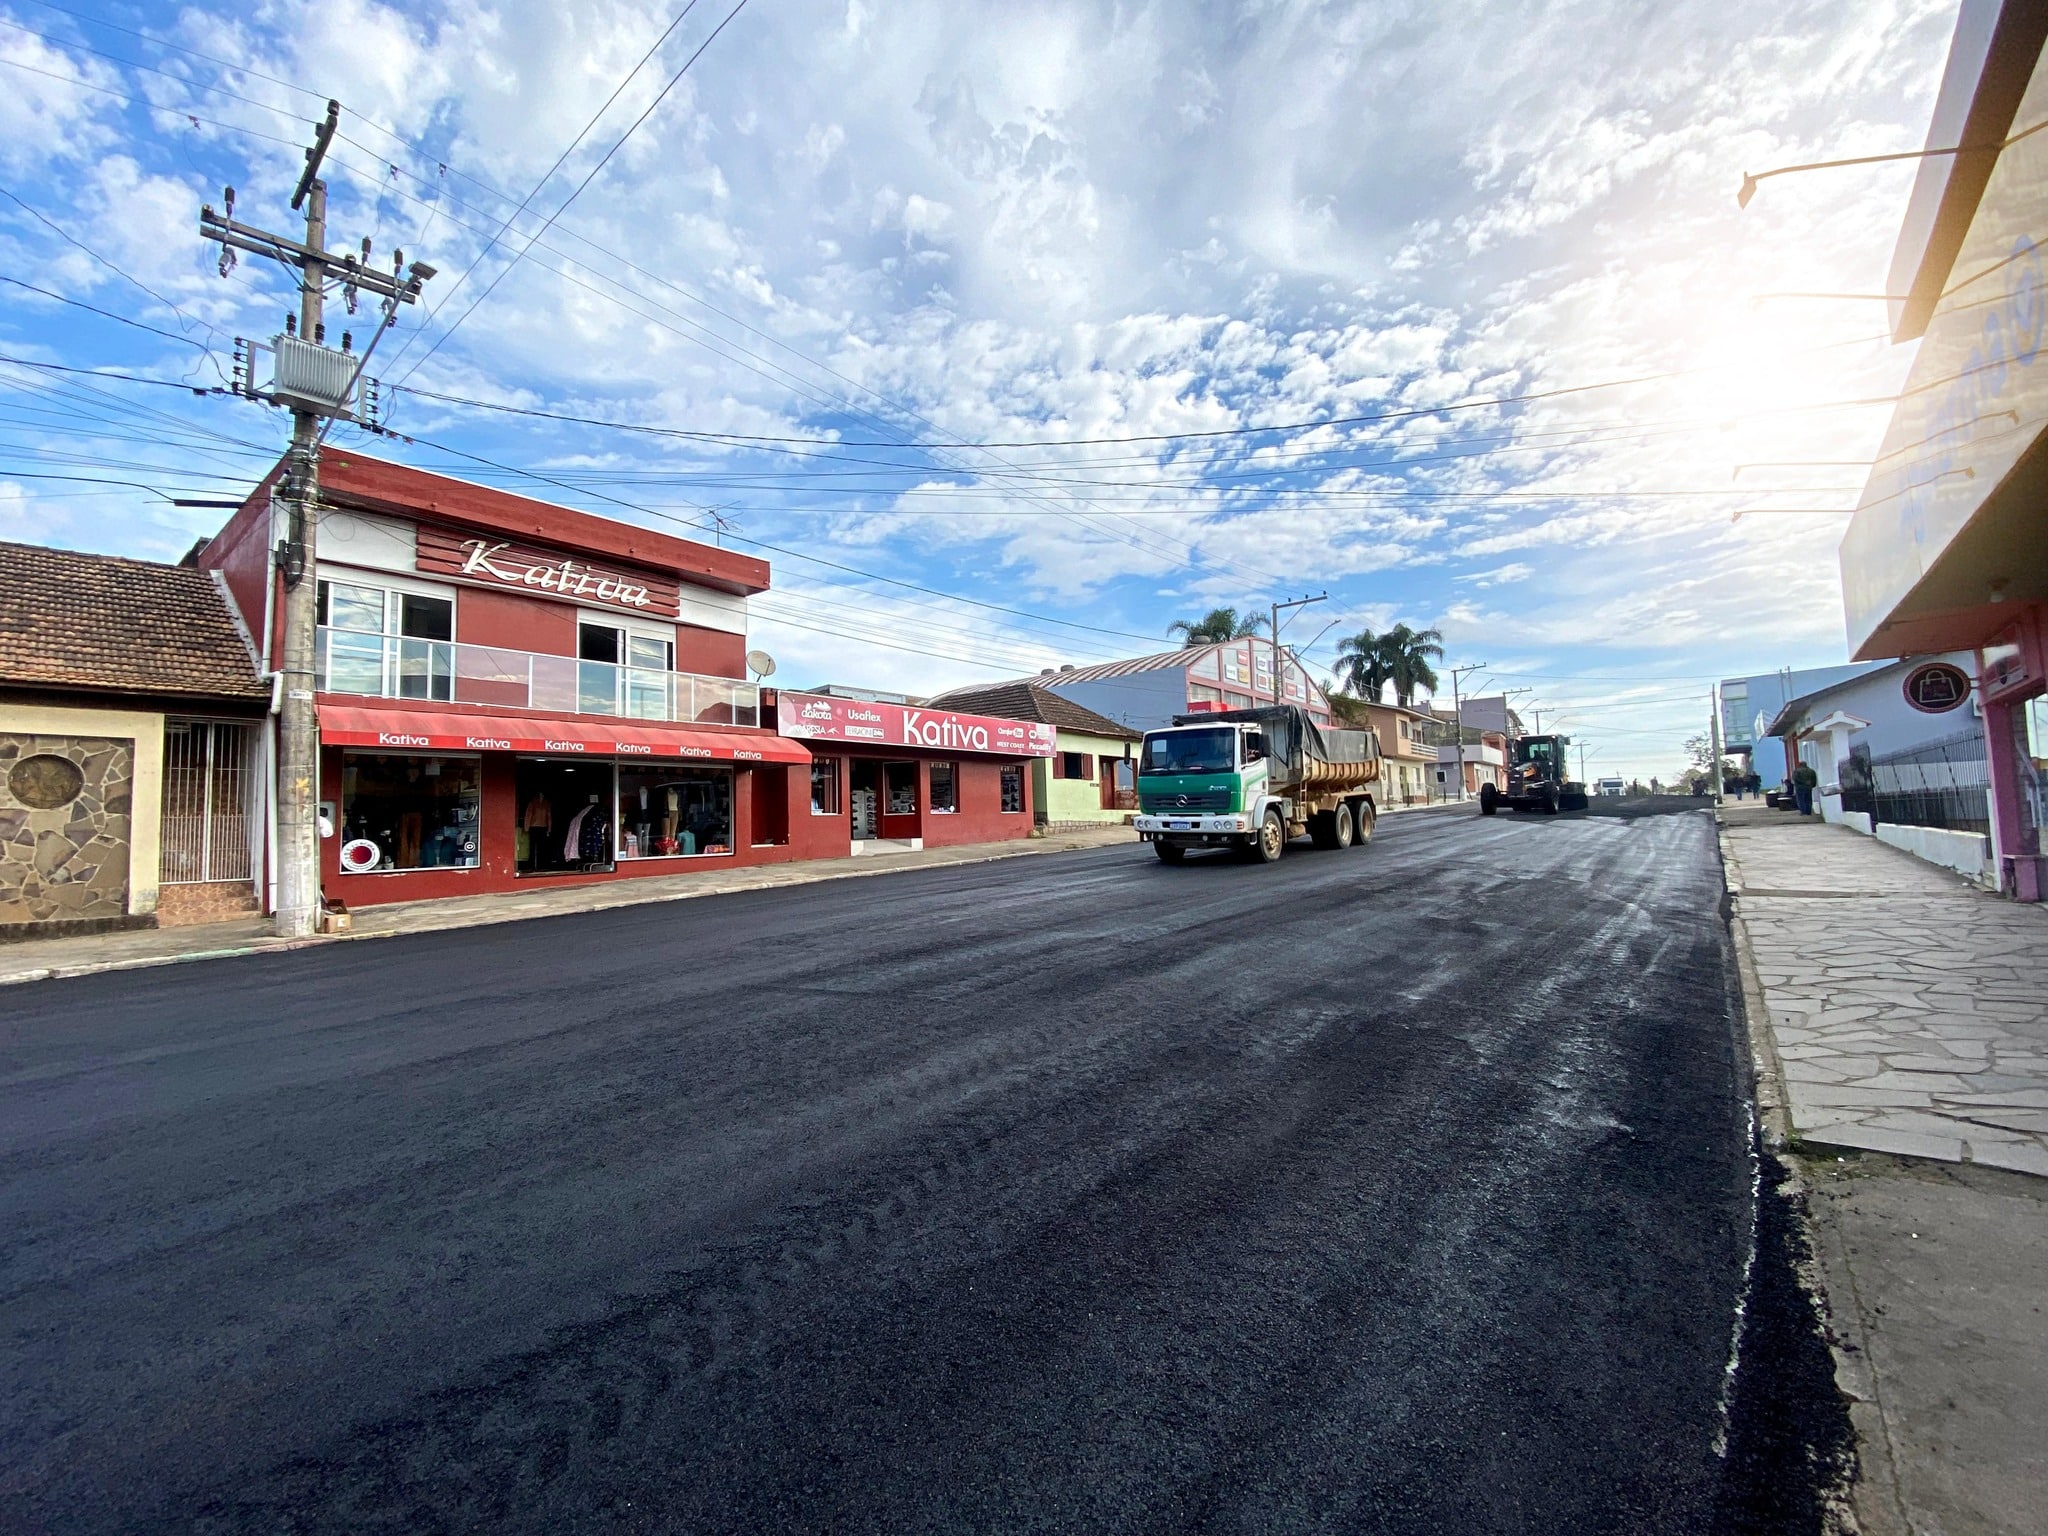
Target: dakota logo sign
502,563
898,725
1937,688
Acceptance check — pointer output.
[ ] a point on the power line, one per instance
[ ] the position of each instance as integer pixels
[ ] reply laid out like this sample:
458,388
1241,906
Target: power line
582,133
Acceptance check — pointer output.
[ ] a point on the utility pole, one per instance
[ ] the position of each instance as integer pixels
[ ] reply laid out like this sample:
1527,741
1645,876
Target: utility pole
1458,718
320,387
1714,740
1582,761
1273,638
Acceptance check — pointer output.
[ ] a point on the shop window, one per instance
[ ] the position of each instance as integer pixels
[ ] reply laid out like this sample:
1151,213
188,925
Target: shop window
674,812
1071,765
565,816
1199,693
945,787
900,780
1013,787
379,641
824,786
409,812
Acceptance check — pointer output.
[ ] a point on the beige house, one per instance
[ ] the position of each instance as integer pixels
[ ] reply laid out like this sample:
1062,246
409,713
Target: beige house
1089,780
131,746
1407,761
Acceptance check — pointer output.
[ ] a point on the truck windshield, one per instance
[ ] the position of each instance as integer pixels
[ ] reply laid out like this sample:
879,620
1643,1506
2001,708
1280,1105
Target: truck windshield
1539,752
1190,752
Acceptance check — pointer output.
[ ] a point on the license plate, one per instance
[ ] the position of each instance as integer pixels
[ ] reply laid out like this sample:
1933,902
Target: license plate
1182,826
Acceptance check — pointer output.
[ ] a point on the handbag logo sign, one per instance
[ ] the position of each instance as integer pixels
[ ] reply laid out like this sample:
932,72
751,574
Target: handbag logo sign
1937,688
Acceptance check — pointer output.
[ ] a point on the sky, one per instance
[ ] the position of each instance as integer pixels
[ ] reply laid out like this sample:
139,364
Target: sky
1010,334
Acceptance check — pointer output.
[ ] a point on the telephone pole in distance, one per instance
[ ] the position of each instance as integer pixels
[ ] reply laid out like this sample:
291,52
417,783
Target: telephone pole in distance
1458,717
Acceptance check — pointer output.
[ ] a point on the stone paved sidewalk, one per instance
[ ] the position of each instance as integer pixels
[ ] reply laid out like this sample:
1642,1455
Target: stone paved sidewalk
42,959
1908,1010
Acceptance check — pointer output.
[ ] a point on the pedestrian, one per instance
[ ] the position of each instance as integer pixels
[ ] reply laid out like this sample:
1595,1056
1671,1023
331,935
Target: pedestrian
1804,781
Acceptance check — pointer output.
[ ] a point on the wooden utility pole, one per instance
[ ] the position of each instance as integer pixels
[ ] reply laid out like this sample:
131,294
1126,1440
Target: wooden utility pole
319,387
1458,718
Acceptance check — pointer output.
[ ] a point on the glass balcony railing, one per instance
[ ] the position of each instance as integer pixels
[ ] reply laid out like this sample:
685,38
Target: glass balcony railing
449,672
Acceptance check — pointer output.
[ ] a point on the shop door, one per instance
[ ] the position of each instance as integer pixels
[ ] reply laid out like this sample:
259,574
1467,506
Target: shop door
866,793
771,805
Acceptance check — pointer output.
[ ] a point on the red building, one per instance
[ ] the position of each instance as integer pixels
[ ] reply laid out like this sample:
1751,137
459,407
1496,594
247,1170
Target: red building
512,692
905,774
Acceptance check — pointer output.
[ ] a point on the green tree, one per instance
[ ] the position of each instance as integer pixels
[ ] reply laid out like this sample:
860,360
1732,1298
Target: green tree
1217,624
1407,654
1362,665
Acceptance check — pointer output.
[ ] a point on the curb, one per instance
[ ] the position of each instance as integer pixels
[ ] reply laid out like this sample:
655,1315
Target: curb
854,870
1830,1274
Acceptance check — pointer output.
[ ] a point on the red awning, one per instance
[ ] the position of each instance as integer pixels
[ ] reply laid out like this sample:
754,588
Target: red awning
410,730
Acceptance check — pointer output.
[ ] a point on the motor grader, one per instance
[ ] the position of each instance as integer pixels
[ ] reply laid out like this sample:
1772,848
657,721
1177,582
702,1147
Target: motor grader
1537,780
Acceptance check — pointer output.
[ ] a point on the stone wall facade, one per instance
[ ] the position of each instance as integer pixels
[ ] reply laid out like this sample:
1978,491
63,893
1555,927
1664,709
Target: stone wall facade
67,806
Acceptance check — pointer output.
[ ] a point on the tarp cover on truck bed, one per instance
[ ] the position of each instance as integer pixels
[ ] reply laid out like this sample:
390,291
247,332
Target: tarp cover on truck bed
1292,736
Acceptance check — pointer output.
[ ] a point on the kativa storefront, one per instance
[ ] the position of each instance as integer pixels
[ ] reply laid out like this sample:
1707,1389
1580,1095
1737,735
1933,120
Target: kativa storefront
1949,546
896,774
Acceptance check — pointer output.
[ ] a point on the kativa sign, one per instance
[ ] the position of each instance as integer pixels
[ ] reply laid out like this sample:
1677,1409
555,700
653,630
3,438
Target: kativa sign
809,716
502,563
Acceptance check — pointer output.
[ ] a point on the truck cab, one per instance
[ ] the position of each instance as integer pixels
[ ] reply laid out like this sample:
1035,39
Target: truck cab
1252,781
1538,779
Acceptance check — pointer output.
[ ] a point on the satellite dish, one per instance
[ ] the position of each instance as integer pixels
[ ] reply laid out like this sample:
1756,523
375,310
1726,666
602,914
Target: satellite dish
761,664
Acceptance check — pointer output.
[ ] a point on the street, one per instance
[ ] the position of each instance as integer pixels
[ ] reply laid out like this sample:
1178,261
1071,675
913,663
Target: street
1399,1189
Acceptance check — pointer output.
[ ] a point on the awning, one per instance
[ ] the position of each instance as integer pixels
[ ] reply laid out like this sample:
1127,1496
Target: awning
410,730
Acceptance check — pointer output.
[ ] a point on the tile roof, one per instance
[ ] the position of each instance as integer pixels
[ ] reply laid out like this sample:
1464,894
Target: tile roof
1026,700
70,620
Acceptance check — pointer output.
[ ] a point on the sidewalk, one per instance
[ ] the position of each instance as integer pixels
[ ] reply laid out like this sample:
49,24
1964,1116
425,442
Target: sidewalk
1900,1022
43,959
1909,1009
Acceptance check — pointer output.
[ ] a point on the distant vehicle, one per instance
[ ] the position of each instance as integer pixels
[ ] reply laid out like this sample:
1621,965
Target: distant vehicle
1252,780
1611,787
1536,780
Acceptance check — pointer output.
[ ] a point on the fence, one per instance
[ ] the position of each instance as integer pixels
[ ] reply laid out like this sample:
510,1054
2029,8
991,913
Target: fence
1944,783
212,801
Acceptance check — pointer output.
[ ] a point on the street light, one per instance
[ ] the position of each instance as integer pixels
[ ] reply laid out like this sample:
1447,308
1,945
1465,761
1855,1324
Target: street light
1750,179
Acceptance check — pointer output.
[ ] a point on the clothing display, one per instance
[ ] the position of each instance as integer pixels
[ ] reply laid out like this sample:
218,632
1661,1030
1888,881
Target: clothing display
539,815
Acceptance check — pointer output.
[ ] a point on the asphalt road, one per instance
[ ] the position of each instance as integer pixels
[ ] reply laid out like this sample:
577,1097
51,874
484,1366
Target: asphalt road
1400,1189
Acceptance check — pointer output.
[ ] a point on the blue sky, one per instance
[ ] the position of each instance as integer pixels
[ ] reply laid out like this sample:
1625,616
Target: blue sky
1155,252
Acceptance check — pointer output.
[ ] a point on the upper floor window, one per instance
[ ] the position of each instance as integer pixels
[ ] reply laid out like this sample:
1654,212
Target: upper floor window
385,641
624,672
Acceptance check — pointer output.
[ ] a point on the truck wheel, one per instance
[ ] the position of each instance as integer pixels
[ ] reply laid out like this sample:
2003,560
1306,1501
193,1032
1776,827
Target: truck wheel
1272,839
1364,818
1322,829
1169,853
1343,830
1489,800
1549,806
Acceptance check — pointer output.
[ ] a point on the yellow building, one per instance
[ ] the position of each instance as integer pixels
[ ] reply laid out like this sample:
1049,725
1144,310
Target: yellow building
1407,765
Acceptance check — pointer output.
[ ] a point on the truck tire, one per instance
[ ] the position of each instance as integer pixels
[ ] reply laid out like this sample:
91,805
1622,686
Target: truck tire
1549,806
1364,818
1343,830
1169,853
1489,800
1272,839
1322,829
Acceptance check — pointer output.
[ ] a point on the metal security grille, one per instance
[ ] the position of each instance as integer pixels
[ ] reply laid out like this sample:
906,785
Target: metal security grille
211,799
1938,784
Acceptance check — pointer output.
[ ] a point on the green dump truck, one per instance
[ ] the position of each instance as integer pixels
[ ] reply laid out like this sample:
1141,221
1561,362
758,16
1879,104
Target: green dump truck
1252,780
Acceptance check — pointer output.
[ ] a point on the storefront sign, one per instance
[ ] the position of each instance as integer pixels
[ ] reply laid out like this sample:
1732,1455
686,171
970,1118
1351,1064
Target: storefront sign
810,716
1937,688
2011,665
411,732
502,563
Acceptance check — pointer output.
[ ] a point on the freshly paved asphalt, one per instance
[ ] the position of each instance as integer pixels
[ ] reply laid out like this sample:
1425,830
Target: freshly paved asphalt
1401,1189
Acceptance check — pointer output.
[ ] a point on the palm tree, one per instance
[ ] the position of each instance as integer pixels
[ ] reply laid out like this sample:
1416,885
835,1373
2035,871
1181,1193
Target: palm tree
1407,654
1217,624
1362,665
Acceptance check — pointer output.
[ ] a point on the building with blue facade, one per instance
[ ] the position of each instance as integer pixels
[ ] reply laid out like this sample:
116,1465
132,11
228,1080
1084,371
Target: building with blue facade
1749,705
